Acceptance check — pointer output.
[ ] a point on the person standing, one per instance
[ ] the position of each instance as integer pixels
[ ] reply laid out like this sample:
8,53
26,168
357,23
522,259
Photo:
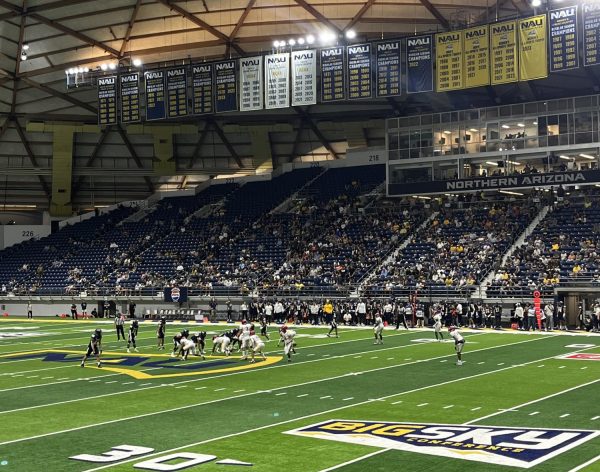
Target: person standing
278,311
29,311
119,323
84,309
229,308
132,310
459,343
213,308
560,316
497,316
73,311
132,335
378,329
437,326
400,317
388,309
361,312
519,315
549,313
243,311
160,332
94,347
531,318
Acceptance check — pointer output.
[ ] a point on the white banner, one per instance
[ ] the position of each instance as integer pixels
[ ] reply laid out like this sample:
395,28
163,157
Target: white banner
251,84
277,76
304,77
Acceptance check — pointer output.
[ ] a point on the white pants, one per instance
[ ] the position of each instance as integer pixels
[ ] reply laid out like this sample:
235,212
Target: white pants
288,346
259,347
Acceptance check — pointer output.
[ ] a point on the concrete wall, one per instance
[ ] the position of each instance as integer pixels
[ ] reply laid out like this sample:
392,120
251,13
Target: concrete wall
15,234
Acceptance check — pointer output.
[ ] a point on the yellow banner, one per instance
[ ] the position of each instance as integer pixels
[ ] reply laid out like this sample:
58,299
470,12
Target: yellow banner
449,61
533,48
476,49
503,52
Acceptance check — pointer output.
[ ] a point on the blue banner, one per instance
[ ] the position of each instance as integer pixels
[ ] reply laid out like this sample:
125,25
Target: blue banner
225,84
155,95
563,42
202,89
177,92
176,294
387,68
591,34
130,98
107,100
359,71
333,67
419,64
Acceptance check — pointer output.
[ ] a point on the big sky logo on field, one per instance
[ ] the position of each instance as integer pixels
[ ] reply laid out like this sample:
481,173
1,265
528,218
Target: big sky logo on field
147,366
517,447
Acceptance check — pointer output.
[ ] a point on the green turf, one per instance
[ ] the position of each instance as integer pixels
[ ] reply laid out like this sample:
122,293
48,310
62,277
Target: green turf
52,410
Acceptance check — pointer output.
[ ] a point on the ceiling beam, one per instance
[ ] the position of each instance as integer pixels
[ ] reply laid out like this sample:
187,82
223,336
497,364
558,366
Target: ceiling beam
296,144
240,22
203,24
199,144
56,93
136,9
318,15
226,142
134,155
308,120
13,103
31,155
91,159
436,13
360,14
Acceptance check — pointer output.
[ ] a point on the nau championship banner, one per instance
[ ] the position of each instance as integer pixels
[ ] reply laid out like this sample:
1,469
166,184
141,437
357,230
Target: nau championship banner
155,95
563,49
419,64
359,71
130,97
449,61
503,51
333,68
225,83
591,33
202,89
495,183
107,100
387,68
251,84
277,76
177,92
476,48
533,48
176,294
304,77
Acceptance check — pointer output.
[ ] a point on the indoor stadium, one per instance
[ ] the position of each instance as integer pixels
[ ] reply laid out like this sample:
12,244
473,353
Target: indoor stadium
299,235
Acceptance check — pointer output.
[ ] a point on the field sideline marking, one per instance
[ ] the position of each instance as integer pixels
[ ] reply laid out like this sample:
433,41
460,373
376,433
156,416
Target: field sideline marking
353,461
585,464
78,428
260,428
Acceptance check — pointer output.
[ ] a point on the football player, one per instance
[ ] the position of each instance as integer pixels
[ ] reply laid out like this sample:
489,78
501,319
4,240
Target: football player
94,347
244,338
257,345
437,325
221,344
333,325
378,329
459,343
133,329
288,342
160,332
200,343
263,327
176,343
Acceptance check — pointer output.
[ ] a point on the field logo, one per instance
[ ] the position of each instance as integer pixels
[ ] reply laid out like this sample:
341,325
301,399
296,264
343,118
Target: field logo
175,294
516,447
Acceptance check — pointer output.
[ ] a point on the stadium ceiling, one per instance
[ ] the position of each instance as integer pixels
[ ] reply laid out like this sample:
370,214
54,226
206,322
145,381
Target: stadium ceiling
113,165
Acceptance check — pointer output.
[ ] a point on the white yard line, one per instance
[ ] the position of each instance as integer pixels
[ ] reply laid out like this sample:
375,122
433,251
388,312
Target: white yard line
585,464
358,459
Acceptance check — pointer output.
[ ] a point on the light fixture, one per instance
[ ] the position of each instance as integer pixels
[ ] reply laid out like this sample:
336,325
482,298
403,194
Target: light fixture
86,69
292,42
514,163
25,47
137,62
23,56
566,158
301,41
508,192
310,39
491,163
447,132
350,34
103,66
505,126
587,156
327,37
520,125
535,122
536,3
112,66
275,44
474,130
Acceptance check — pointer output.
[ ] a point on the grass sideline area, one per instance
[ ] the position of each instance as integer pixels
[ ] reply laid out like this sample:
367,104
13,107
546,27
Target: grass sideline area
342,404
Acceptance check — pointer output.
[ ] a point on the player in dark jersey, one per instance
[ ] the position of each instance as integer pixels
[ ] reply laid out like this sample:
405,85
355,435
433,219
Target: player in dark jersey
263,327
176,343
333,325
201,342
94,347
131,337
234,337
135,325
160,332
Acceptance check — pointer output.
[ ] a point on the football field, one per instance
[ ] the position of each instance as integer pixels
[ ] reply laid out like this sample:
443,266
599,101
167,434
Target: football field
520,401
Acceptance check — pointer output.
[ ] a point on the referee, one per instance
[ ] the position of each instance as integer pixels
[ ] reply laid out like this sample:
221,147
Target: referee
119,322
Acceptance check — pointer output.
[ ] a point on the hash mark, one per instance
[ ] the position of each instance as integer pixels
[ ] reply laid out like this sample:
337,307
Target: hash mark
565,415
448,406
423,404
324,397
396,403
533,413
199,388
347,399
476,408
595,418
282,393
238,391
220,389
303,395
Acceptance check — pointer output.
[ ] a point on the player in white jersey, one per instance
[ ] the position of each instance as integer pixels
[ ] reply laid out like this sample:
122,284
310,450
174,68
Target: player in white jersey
378,329
187,346
288,342
459,343
221,344
244,339
256,346
437,326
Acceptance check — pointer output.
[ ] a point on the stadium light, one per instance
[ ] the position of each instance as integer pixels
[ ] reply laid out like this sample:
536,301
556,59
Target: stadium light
536,3
301,41
23,56
508,192
103,66
25,47
566,158
492,163
587,156
505,126
292,42
275,44
310,39
112,66
520,125
137,62
350,34
327,37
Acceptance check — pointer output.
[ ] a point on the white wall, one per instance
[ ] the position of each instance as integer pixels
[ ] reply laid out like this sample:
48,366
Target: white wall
15,234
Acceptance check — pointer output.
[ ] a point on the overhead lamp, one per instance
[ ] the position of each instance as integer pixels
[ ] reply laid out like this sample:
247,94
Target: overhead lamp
566,158
520,125
292,42
514,163
310,39
23,56
587,156
137,62
103,66
536,3
86,69
447,132
535,122
301,41
350,34
112,66
505,126
508,192
491,163
25,47
327,37
474,130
